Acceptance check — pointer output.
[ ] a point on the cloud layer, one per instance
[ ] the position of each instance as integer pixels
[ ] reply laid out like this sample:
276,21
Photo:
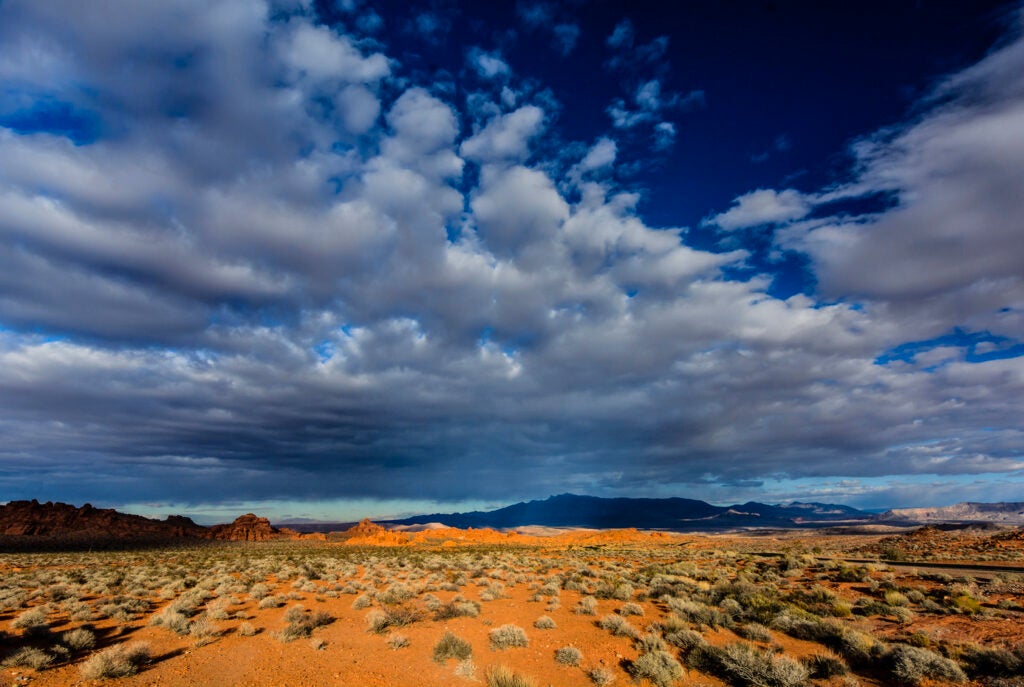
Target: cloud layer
261,262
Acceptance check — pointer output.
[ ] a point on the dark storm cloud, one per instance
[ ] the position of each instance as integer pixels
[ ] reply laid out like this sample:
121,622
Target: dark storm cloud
283,271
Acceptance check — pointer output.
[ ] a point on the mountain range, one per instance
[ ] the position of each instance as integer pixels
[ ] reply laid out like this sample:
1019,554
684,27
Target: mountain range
571,510
31,523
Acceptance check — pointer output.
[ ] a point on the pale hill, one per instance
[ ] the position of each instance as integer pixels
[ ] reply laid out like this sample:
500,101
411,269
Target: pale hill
1006,513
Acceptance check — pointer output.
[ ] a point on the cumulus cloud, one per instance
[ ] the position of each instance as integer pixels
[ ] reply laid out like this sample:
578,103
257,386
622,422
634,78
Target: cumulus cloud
505,136
272,269
763,206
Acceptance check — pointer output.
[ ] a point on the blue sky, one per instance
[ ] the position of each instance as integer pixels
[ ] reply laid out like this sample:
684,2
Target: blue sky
337,259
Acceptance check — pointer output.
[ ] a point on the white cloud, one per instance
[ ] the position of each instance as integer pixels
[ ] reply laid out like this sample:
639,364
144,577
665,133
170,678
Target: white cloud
488,65
238,285
505,137
763,206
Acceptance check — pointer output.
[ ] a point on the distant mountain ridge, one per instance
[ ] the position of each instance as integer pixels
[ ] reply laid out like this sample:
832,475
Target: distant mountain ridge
60,523
571,510
1006,512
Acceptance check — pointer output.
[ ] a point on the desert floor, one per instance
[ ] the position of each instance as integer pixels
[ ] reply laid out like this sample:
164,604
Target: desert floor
779,609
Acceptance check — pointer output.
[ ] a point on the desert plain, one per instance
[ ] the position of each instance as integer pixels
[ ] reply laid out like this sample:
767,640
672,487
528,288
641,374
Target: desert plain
375,607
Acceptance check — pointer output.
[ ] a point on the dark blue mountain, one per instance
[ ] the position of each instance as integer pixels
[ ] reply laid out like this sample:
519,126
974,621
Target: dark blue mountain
570,510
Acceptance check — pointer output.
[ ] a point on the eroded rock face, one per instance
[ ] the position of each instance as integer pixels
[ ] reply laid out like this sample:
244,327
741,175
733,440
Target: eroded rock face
248,527
34,519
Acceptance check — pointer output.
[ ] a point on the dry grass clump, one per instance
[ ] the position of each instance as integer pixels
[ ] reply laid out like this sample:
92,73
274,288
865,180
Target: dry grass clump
452,646
32,622
568,656
79,639
301,623
745,664
600,676
912,665
508,636
503,676
28,657
657,666
380,621
586,606
457,609
247,629
544,623
631,609
397,641
117,661
618,626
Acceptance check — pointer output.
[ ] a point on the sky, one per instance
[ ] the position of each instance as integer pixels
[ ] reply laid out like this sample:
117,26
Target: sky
338,258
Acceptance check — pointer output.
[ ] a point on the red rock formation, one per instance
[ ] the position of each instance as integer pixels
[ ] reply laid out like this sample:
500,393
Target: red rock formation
60,520
248,527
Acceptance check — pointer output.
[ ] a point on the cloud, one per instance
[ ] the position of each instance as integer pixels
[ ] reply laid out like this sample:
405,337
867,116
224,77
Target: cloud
542,16
488,65
600,156
763,206
271,268
947,251
505,136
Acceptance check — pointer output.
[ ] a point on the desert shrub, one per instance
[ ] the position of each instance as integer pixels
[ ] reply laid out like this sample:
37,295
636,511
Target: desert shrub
657,666
895,598
79,639
965,603
28,657
32,622
618,626
601,676
544,623
992,661
621,591
912,665
744,664
259,591
247,629
173,620
466,669
755,632
397,641
824,666
117,661
631,609
586,606
698,613
318,643
568,656
457,609
507,637
394,616
202,629
502,676
395,594
650,641
452,646
684,639
856,647
272,602
362,601
301,623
